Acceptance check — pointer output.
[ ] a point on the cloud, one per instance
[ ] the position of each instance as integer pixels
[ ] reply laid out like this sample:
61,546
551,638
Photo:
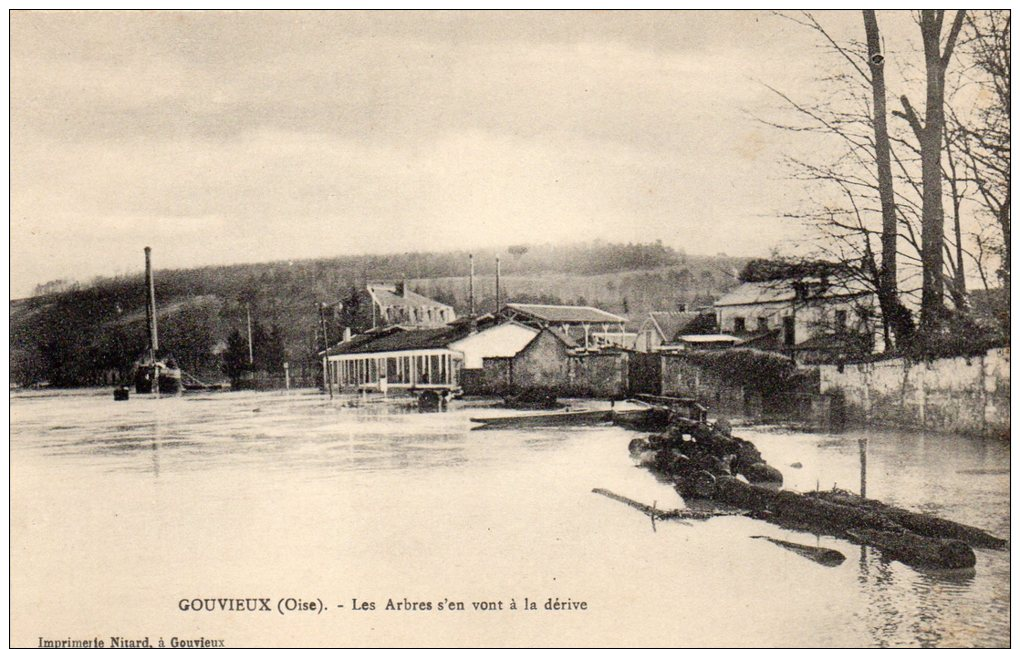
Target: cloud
240,137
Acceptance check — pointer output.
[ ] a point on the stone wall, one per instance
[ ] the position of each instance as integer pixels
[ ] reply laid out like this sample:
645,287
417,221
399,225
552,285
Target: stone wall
681,378
968,395
545,365
598,375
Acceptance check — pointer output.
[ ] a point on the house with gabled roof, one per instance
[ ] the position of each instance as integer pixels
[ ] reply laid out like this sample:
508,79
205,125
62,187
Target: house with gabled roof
393,303
661,328
577,322
818,316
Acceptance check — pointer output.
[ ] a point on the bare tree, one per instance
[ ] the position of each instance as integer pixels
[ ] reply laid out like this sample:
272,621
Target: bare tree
985,141
862,174
929,136
894,314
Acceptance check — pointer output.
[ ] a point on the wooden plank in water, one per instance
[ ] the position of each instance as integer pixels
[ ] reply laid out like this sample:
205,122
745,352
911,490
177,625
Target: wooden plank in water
567,418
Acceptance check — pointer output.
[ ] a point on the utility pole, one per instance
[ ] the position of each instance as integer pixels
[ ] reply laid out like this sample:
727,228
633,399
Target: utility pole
471,287
325,353
251,350
497,284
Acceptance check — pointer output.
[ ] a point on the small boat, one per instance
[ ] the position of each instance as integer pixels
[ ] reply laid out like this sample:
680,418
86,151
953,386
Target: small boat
562,418
158,377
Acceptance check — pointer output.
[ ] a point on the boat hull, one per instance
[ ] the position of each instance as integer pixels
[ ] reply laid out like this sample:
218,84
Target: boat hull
169,380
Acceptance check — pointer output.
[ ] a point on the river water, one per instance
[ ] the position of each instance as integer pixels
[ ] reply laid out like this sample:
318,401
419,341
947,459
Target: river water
119,510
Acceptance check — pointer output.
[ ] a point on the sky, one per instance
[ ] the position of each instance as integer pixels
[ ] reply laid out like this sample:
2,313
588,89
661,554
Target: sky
223,137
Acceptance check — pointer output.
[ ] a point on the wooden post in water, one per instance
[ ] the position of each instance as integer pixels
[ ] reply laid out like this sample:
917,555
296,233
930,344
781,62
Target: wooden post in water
863,447
286,375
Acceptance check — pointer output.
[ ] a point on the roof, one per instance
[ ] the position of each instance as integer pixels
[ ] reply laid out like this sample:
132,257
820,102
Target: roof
567,314
387,295
767,340
397,339
709,338
784,291
669,323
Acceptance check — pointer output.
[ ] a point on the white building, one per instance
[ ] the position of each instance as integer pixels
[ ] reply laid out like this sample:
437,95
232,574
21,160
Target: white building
802,312
503,340
414,359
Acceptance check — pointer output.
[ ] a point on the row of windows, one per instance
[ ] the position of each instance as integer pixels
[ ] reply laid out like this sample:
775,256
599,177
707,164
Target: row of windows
789,335
417,314
415,369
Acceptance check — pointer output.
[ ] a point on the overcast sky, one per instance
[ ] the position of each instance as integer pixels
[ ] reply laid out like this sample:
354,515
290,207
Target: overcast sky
237,137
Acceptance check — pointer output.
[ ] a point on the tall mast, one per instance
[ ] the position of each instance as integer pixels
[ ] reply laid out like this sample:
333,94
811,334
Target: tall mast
150,305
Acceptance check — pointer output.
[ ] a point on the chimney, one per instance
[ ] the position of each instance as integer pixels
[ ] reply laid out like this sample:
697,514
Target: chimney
402,288
347,334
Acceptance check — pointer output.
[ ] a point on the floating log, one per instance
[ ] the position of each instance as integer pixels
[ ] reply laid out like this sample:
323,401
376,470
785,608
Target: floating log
701,460
689,449
824,556
666,514
647,510
915,550
646,420
855,523
923,524
565,418
685,406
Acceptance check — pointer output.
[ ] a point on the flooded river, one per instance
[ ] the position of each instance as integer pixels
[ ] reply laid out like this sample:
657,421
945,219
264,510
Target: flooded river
122,509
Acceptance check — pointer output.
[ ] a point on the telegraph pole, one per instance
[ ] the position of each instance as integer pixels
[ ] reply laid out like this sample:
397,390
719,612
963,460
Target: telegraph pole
325,353
497,284
471,287
251,350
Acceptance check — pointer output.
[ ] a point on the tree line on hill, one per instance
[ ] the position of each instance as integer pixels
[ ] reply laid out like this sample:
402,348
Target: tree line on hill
93,334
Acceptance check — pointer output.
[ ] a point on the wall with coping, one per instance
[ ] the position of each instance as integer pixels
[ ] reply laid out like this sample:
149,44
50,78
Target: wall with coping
967,395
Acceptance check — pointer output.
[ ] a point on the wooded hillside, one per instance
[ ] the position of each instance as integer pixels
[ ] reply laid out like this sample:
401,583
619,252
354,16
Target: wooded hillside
85,335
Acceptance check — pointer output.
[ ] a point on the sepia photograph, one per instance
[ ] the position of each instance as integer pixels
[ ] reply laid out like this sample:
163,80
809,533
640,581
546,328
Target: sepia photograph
533,328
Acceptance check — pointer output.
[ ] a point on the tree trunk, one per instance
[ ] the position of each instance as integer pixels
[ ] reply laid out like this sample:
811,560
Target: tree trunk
929,137
887,281
854,522
931,173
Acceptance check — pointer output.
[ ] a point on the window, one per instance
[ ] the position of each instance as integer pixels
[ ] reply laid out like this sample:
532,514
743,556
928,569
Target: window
763,323
739,325
840,321
789,331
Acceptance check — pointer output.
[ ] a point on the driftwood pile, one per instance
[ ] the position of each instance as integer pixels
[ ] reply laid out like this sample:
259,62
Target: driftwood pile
705,461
